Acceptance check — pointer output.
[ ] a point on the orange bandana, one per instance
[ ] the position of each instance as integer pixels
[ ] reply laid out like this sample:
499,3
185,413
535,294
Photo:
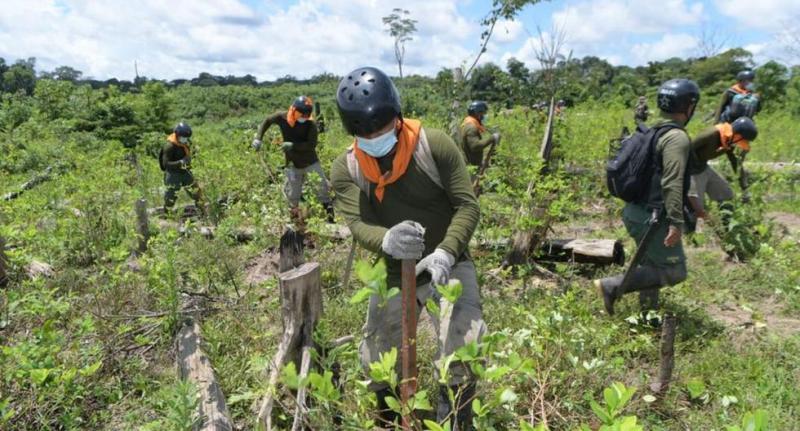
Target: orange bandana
474,121
173,138
726,135
293,114
737,88
407,140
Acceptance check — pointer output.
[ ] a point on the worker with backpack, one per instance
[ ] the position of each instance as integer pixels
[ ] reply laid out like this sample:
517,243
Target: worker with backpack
739,100
650,173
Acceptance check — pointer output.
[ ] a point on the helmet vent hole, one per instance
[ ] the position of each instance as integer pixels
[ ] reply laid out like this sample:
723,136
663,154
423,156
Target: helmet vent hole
357,82
371,80
366,93
350,78
350,97
363,73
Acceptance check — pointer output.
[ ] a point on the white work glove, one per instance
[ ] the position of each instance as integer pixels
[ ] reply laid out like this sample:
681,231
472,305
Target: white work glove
257,144
185,162
287,146
438,264
405,240
496,137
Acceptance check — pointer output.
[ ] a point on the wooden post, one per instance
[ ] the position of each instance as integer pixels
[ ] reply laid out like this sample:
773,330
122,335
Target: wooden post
667,354
194,366
142,225
547,141
301,308
3,263
408,386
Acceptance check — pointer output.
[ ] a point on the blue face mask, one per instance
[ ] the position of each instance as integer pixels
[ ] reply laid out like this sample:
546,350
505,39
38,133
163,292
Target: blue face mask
380,146
183,140
301,120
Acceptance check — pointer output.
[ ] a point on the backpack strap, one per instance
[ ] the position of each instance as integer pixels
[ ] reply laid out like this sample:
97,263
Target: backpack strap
423,157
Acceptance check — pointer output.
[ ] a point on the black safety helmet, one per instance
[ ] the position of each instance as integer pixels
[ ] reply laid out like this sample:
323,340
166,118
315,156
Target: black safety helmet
183,130
367,100
477,107
746,75
302,104
676,95
746,128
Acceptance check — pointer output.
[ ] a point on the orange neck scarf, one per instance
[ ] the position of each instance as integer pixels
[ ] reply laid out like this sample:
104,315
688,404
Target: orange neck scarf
407,139
737,88
726,136
293,114
173,138
474,121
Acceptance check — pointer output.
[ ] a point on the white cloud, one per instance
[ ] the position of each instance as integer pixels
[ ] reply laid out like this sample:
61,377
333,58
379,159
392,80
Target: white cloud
608,20
763,14
507,31
181,38
670,45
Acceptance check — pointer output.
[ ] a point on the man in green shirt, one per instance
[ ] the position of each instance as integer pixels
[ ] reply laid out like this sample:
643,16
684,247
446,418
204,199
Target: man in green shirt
473,136
664,262
175,159
405,193
300,147
709,144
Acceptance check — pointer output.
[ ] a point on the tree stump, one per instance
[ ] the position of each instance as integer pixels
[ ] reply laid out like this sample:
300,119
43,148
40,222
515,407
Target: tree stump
301,308
194,366
142,225
667,354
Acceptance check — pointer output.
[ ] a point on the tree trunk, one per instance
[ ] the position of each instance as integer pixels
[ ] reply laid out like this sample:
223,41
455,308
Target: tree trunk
301,308
3,263
142,225
195,367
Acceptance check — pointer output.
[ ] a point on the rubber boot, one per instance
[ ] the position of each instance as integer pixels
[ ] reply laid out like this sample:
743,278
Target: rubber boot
608,295
463,394
645,277
329,210
387,418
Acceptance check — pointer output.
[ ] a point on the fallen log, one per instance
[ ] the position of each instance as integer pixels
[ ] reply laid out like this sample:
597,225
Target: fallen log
301,308
33,182
597,251
38,269
194,366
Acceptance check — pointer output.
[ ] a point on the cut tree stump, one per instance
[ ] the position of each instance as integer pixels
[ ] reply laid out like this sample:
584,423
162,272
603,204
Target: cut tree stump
142,225
3,263
301,308
194,366
667,354
597,251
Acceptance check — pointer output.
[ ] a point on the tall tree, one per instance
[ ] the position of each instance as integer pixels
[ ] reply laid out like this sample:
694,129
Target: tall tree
400,26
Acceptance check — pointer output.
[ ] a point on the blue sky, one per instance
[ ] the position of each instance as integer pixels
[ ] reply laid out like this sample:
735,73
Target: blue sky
274,38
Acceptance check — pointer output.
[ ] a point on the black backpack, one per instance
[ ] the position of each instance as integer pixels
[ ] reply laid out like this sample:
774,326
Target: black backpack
629,172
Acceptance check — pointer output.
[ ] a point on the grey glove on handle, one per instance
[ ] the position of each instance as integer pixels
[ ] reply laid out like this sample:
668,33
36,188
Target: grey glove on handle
257,144
404,240
438,264
496,137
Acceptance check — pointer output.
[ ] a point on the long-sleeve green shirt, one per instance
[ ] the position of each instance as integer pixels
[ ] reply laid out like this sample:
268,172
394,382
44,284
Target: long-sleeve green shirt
473,143
449,215
303,137
672,149
705,147
170,158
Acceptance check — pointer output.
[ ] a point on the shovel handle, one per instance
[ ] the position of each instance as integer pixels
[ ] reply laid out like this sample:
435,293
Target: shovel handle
408,348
